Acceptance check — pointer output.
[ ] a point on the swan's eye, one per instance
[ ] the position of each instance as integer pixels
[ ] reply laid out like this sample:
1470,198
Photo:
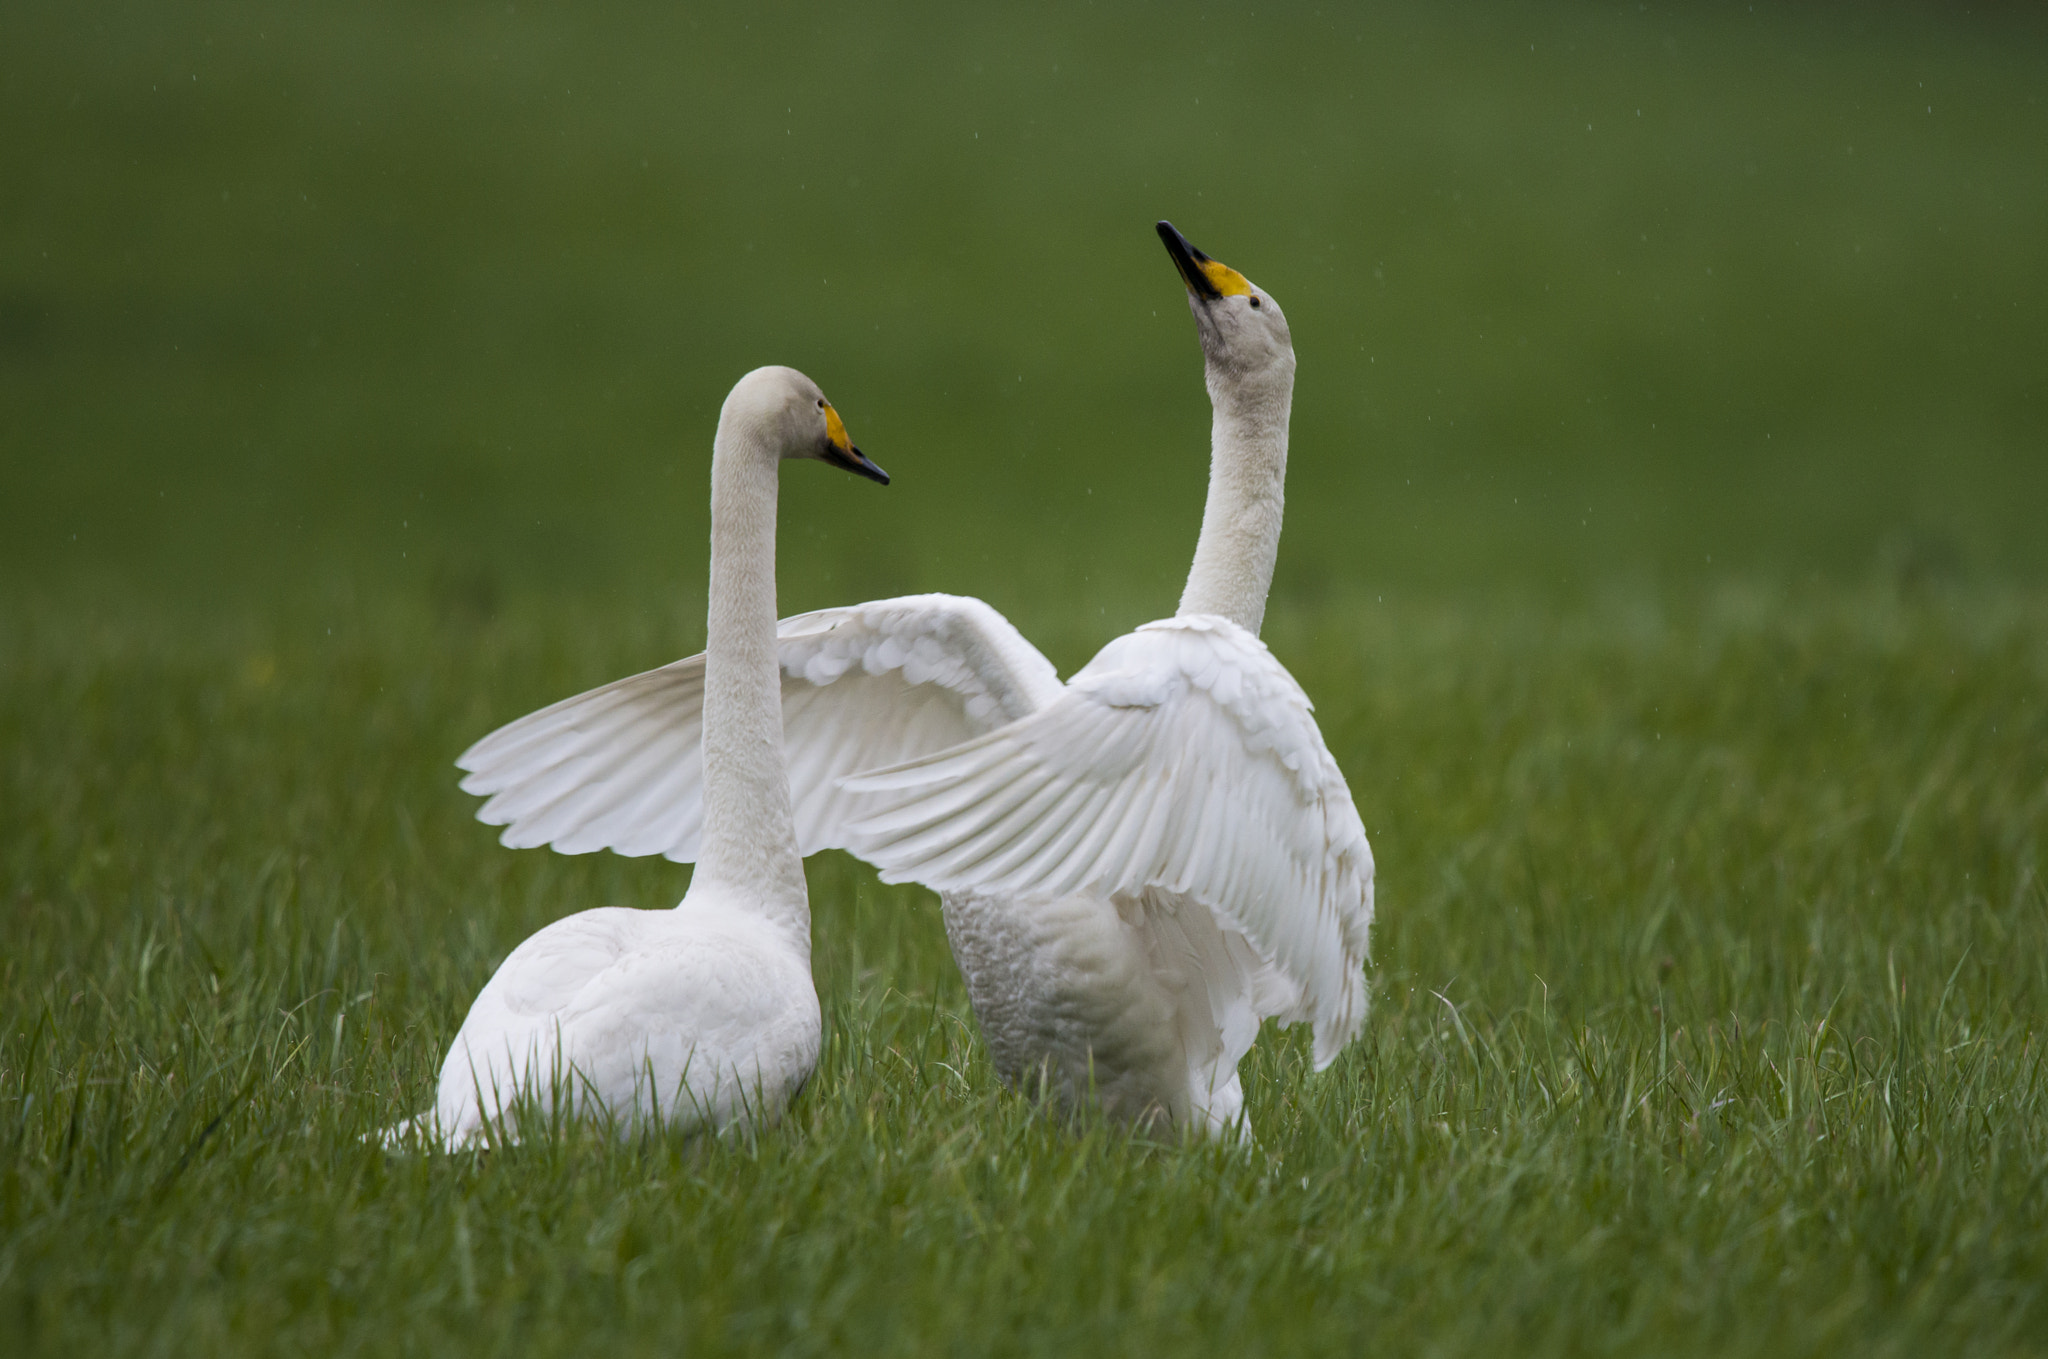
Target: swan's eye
1255,299
821,403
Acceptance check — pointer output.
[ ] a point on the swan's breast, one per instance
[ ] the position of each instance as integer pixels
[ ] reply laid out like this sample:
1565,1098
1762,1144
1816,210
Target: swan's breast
1065,985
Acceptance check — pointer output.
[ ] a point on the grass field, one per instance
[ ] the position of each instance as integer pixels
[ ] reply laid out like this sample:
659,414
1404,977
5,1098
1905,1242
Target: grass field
1664,557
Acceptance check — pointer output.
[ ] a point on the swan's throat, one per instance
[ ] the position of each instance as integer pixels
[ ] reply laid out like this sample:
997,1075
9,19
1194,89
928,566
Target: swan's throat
749,848
1233,568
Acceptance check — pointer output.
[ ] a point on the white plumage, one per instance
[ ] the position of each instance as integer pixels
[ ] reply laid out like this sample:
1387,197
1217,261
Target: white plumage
703,1015
618,767
1182,759
701,1019
1135,866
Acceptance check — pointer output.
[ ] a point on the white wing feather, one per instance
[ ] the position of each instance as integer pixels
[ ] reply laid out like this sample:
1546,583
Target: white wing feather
620,767
1183,758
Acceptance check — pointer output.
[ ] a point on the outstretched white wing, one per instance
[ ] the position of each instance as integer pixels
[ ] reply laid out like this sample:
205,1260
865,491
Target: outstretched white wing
1185,758
620,767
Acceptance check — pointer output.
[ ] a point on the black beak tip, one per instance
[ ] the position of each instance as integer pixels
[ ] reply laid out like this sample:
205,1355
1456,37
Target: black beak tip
869,469
1176,242
1189,261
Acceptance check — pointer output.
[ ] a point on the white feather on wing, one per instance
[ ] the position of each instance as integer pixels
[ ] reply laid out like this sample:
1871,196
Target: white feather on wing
620,767
1185,758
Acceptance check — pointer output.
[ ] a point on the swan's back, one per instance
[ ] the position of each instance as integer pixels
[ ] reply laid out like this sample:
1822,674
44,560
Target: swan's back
700,1015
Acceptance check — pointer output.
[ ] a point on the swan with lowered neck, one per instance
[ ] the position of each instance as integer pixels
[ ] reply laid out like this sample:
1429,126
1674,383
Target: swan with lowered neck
702,1015
1136,866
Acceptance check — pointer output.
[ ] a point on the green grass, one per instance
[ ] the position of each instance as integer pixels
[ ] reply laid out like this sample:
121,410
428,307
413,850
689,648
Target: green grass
1663,556
1708,985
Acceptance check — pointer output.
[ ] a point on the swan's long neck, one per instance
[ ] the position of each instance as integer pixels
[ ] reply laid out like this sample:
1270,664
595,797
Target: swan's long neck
749,846
1247,493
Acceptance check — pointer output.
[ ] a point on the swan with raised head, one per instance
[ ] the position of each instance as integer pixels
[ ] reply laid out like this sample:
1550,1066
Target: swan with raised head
1135,866
704,1014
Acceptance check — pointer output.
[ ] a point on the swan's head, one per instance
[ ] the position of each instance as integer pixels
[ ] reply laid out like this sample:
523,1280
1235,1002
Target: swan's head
1243,332
785,410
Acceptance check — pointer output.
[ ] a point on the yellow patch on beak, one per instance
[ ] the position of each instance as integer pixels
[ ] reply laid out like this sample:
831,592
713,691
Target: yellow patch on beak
1224,279
835,430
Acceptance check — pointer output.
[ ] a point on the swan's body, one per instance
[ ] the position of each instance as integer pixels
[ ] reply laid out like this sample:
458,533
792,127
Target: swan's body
1136,866
703,1015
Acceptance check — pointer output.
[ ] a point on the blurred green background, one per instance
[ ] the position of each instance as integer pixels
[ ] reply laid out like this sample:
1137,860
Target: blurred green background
310,311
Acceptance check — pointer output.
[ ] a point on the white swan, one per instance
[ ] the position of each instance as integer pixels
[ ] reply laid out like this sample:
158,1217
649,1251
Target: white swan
1135,866
704,1014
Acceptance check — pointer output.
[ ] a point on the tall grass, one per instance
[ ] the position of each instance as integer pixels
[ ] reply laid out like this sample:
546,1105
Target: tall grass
1705,1019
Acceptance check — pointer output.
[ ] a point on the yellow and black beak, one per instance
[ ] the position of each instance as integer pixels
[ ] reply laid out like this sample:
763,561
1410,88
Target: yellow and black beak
840,452
1209,280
